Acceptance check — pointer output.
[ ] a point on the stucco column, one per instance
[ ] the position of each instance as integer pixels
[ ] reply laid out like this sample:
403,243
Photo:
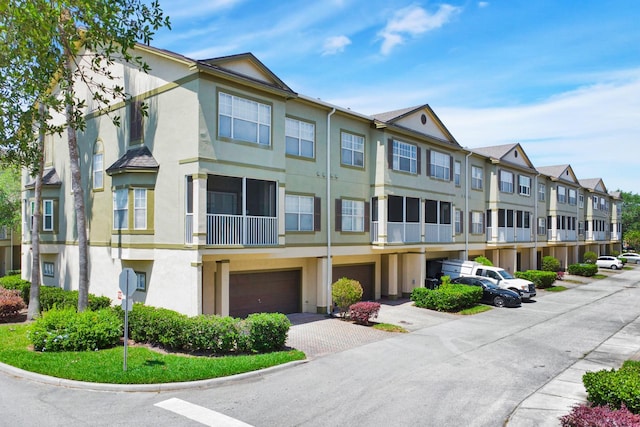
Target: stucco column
414,272
392,277
199,209
382,220
222,288
321,286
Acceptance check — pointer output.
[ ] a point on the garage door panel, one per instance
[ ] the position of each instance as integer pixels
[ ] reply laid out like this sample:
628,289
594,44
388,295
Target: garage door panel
363,273
266,292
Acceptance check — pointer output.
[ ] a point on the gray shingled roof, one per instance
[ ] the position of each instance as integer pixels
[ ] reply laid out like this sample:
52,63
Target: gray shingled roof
495,151
50,178
136,159
552,171
590,183
390,115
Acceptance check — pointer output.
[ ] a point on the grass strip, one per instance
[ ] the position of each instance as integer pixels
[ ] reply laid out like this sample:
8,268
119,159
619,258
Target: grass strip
144,366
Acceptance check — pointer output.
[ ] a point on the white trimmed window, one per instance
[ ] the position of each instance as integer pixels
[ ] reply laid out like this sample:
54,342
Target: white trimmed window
139,209
542,192
581,200
48,269
457,166
595,202
300,137
477,176
506,181
562,194
542,226
573,199
244,119
352,215
458,221
120,209
98,171
405,157
477,223
440,165
524,185
141,281
352,153
298,213
47,215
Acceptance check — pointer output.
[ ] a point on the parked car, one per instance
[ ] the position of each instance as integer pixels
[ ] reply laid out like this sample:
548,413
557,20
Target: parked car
491,293
607,261
631,257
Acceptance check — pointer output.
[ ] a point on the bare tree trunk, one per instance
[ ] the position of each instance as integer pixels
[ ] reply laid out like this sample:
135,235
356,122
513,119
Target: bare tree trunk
78,192
34,292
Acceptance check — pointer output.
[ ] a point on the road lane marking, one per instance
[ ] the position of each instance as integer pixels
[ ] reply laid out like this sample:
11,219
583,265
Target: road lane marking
199,413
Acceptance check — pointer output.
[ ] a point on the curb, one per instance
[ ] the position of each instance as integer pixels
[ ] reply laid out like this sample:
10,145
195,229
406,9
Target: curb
141,388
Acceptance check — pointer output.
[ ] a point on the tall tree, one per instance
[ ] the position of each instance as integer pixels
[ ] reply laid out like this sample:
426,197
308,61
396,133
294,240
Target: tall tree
84,38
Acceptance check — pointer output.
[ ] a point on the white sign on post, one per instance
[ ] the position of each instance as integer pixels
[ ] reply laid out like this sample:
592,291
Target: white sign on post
128,287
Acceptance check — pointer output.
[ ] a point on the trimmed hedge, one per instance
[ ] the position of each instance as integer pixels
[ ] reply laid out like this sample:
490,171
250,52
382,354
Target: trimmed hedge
585,270
542,279
67,330
345,292
550,263
615,388
450,297
258,333
51,297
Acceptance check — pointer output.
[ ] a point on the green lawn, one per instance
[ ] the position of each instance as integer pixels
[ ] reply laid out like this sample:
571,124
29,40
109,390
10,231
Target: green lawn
144,366
480,308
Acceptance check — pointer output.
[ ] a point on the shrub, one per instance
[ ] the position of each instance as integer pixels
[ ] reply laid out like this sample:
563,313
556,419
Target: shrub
266,332
599,416
10,302
448,297
542,279
66,330
550,263
157,326
586,270
615,388
345,292
484,261
215,334
590,257
52,297
15,282
362,312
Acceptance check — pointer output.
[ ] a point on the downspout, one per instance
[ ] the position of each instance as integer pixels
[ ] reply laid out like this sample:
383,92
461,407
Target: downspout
328,204
466,206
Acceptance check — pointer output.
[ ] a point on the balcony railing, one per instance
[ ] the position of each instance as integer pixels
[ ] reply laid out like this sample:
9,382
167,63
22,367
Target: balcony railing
438,233
509,234
598,235
403,232
242,230
188,229
562,235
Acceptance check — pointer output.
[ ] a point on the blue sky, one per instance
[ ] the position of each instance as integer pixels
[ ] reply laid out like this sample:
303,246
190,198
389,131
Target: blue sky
561,77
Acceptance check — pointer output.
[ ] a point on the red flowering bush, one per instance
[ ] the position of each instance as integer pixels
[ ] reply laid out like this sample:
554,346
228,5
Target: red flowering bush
362,312
599,416
10,302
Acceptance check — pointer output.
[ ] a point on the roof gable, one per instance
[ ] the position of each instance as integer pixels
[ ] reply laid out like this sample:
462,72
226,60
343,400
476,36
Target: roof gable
137,159
594,184
246,65
419,119
509,153
560,173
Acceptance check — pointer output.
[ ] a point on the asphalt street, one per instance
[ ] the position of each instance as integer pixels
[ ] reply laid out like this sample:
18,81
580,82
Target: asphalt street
453,371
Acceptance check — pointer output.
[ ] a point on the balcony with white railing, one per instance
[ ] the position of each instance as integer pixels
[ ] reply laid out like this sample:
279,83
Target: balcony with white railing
241,230
508,235
562,235
438,233
598,236
188,229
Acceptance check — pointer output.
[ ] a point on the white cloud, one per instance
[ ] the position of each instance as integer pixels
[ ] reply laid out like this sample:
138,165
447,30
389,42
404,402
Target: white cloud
333,45
413,21
482,4
198,9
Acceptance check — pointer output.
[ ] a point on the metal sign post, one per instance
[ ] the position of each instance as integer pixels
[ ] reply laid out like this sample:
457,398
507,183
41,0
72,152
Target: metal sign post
128,287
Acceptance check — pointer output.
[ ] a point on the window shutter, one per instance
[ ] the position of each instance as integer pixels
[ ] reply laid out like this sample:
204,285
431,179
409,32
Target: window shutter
367,216
135,121
428,152
338,219
418,152
470,222
462,222
484,221
316,213
55,207
390,153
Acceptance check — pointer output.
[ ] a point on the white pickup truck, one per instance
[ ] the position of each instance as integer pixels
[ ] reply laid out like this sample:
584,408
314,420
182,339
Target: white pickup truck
455,268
